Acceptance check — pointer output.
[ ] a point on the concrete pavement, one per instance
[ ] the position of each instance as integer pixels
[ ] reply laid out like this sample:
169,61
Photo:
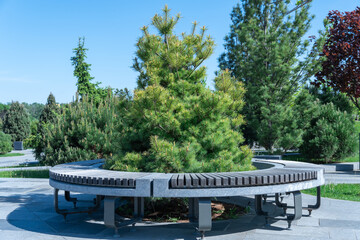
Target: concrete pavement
26,212
28,158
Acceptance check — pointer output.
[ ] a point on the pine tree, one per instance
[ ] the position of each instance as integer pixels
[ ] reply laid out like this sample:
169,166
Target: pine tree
82,131
262,50
174,123
17,122
82,73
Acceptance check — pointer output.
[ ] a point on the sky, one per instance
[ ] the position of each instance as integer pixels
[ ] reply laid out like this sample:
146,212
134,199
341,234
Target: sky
37,38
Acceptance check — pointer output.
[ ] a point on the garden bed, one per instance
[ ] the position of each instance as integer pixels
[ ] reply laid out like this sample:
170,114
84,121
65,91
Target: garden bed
176,210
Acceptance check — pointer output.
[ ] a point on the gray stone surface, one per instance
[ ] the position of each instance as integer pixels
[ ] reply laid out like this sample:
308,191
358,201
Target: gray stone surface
28,158
26,212
89,177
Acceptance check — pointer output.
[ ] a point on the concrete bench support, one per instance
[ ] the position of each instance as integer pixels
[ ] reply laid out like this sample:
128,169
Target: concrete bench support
110,216
200,213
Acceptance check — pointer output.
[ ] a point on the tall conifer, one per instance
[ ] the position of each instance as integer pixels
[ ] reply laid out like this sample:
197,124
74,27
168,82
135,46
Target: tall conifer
82,73
263,50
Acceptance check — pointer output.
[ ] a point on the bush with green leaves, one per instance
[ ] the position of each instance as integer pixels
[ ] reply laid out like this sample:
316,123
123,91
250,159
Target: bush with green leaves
5,143
174,123
82,131
329,133
17,122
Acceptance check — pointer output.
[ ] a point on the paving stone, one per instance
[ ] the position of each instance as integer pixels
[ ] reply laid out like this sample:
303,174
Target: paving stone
342,234
338,223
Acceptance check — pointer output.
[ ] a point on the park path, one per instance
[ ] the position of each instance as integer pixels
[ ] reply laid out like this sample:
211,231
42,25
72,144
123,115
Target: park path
28,158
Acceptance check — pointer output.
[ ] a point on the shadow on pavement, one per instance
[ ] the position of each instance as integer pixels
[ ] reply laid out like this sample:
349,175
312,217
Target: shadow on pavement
35,212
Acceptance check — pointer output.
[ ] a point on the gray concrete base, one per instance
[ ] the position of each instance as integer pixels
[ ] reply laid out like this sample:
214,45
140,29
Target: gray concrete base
27,212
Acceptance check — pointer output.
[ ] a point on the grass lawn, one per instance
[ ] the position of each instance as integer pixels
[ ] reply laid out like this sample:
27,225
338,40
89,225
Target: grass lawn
350,192
25,174
23,165
11,154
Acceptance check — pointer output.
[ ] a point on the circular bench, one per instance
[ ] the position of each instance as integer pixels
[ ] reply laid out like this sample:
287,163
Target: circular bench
273,177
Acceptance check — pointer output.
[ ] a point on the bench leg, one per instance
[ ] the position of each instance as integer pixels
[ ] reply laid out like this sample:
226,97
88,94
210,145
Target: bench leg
65,212
279,203
204,215
193,209
109,211
318,201
297,208
70,199
139,207
259,205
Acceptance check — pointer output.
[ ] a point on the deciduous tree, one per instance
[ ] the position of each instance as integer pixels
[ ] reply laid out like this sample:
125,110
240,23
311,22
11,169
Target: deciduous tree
341,67
17,122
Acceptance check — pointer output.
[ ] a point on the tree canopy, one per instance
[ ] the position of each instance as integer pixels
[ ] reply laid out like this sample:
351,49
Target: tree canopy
174,123
17,122
82,73
341,67
263,50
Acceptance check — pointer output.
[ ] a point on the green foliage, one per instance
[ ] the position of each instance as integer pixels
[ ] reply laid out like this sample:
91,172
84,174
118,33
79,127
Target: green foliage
5,143
165,58
174,123
47,117
34,110
263,50
16,122
4,107
25,174
328,95
329,133
32,140
82,131
82,73
50,111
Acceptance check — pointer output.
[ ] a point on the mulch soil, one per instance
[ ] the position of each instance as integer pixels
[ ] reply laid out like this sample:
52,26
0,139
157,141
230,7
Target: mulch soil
176,210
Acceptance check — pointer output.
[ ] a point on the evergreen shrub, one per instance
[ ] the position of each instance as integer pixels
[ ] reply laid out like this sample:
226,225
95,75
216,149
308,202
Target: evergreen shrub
82,131
329,133
5,143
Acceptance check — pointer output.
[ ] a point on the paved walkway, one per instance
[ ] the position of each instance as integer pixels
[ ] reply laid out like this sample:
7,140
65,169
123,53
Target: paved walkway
28,158
26,212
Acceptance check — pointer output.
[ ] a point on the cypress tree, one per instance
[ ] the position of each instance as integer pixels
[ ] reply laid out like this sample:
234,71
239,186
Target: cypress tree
17,122
262,50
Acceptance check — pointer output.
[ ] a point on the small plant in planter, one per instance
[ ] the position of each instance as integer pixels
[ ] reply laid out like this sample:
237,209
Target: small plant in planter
173,122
